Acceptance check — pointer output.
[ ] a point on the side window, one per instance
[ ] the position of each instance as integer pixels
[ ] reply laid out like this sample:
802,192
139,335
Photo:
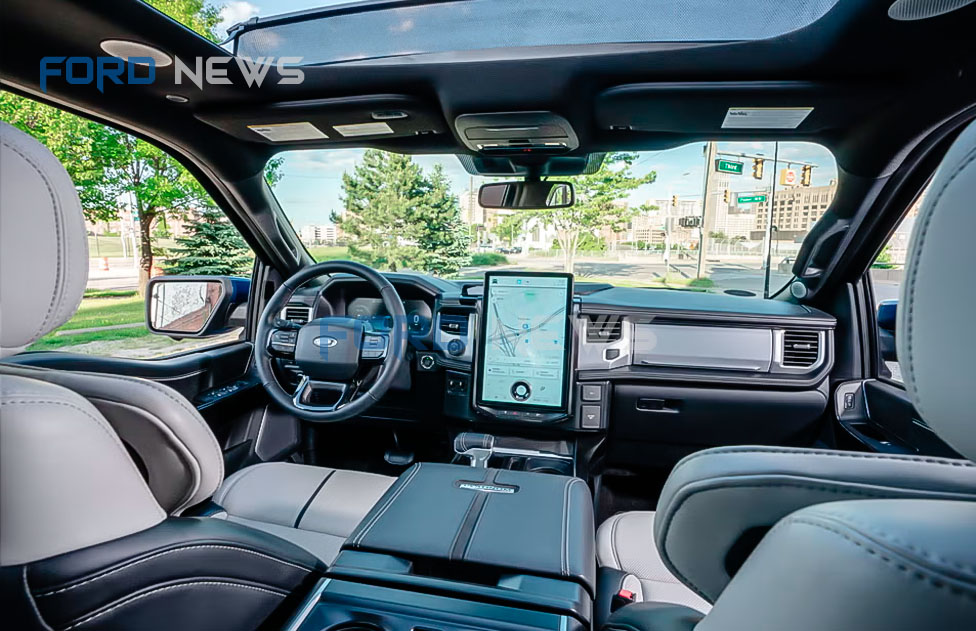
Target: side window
146,216
887,273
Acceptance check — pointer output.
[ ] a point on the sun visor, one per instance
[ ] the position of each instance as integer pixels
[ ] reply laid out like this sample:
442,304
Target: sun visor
345,121
736,109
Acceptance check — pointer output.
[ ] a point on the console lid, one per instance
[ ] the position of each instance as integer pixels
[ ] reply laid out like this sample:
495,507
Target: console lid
533,523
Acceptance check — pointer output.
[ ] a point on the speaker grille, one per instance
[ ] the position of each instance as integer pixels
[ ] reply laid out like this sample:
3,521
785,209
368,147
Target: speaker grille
909,10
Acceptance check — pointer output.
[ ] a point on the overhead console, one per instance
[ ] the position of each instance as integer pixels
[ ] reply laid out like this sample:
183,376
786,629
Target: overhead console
516,133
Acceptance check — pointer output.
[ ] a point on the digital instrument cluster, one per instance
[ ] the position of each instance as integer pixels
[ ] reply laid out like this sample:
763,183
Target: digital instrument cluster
373,310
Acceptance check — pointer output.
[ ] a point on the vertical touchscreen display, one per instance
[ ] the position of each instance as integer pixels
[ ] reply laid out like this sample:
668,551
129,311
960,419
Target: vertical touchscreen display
525,342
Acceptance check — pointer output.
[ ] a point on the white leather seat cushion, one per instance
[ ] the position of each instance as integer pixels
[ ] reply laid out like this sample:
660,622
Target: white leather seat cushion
626,542
313,507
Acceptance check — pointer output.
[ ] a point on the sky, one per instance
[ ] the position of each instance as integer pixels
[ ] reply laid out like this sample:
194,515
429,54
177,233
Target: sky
310,188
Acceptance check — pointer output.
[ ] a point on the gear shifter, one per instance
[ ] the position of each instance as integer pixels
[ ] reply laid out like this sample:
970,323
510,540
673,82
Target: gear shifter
478,447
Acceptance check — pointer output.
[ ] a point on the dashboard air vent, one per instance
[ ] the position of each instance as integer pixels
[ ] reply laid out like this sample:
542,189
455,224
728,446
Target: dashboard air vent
603,329
299,314
800,348
454,323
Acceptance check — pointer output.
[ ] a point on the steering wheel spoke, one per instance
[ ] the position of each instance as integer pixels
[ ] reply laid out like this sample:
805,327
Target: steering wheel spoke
309,390
375,346
282,342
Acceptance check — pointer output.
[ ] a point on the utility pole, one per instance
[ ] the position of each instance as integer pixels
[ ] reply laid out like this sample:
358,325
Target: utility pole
769,223
708,206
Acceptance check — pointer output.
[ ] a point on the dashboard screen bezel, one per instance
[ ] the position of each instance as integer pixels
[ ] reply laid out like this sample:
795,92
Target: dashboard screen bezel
483,336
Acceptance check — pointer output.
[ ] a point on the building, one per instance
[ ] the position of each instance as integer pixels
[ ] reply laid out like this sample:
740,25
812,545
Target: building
319,234
795,210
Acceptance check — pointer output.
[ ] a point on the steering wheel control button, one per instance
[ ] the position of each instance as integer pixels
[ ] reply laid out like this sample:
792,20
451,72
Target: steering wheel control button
374,346
590,415
521,391
427,362
591,392
284,341
455,347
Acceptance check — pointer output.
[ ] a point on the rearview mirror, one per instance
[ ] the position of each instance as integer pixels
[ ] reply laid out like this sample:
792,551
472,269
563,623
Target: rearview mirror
194,306
526,195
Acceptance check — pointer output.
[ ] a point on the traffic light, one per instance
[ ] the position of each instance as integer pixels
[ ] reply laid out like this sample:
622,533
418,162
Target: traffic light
757,168
674,201
805,175
726,196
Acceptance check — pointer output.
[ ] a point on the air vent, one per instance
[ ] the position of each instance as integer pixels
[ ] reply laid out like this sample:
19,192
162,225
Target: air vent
603,329
299,314
801,349
454,323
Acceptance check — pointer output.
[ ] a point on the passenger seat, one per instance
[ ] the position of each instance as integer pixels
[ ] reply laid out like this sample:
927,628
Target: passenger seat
625,542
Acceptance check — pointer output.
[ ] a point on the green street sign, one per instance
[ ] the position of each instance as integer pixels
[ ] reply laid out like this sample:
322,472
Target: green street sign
728,166
751,199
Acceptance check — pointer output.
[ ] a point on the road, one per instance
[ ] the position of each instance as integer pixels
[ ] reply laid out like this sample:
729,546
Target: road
120,275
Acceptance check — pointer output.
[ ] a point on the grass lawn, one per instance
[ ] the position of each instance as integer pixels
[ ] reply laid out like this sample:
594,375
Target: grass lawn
328,252
53,341
111,247
107,311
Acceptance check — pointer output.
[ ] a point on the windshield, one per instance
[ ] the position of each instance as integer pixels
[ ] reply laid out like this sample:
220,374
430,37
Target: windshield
716,216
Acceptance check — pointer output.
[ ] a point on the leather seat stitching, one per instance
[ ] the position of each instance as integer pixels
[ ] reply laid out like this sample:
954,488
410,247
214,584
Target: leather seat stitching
932,556
389,502
915,571
670,513
158,590
914,263
832,454
614,556
114,439
59,284
33,603
162,554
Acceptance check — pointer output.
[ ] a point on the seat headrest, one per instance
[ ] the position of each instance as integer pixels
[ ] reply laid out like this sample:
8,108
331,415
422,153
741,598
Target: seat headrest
43,244
936,342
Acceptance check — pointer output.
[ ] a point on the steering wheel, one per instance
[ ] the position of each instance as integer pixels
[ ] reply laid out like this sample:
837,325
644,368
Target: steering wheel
332,353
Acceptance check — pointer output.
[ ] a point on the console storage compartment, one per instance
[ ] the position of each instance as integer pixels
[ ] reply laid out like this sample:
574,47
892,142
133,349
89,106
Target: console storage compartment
451,547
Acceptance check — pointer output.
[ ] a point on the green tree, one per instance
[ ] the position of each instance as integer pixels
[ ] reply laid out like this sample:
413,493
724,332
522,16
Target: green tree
214,247
196,15
509,227
600,198
397,217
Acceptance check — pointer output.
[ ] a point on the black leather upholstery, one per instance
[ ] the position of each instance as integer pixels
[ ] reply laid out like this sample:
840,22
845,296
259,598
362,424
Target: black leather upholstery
195,573
530,522
651,616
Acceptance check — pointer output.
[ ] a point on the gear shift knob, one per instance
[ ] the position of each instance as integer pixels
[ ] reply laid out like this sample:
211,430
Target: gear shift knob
477,447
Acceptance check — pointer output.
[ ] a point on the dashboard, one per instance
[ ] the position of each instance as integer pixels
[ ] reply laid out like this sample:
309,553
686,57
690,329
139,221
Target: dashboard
665,366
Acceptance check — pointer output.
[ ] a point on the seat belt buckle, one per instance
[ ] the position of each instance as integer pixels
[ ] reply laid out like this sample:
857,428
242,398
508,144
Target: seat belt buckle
621,598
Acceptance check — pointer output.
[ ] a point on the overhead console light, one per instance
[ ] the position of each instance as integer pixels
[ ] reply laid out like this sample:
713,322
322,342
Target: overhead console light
125,49
516,133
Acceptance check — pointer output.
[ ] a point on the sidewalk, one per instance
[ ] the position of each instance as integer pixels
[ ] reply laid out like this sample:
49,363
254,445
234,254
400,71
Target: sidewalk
121,274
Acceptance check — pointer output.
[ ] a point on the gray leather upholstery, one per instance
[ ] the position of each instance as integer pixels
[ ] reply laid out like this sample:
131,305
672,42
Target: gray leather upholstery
908,562
42,224
182,459
624,542
866,564
752,488
938,299
316,508
66,481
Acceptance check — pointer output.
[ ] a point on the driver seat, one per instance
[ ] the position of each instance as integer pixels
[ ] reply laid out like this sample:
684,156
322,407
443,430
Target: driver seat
98,471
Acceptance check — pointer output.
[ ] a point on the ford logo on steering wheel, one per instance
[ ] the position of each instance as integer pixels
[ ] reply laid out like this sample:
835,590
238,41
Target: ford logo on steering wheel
326,341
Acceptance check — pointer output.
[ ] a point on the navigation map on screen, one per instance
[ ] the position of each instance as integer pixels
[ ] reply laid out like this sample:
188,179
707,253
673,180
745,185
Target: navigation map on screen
524,358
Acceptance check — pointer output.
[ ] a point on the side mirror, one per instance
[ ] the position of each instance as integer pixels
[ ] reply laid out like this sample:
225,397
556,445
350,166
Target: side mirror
887,317
195,306
530,195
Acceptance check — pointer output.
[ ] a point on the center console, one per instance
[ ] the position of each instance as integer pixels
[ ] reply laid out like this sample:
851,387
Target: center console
454,547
